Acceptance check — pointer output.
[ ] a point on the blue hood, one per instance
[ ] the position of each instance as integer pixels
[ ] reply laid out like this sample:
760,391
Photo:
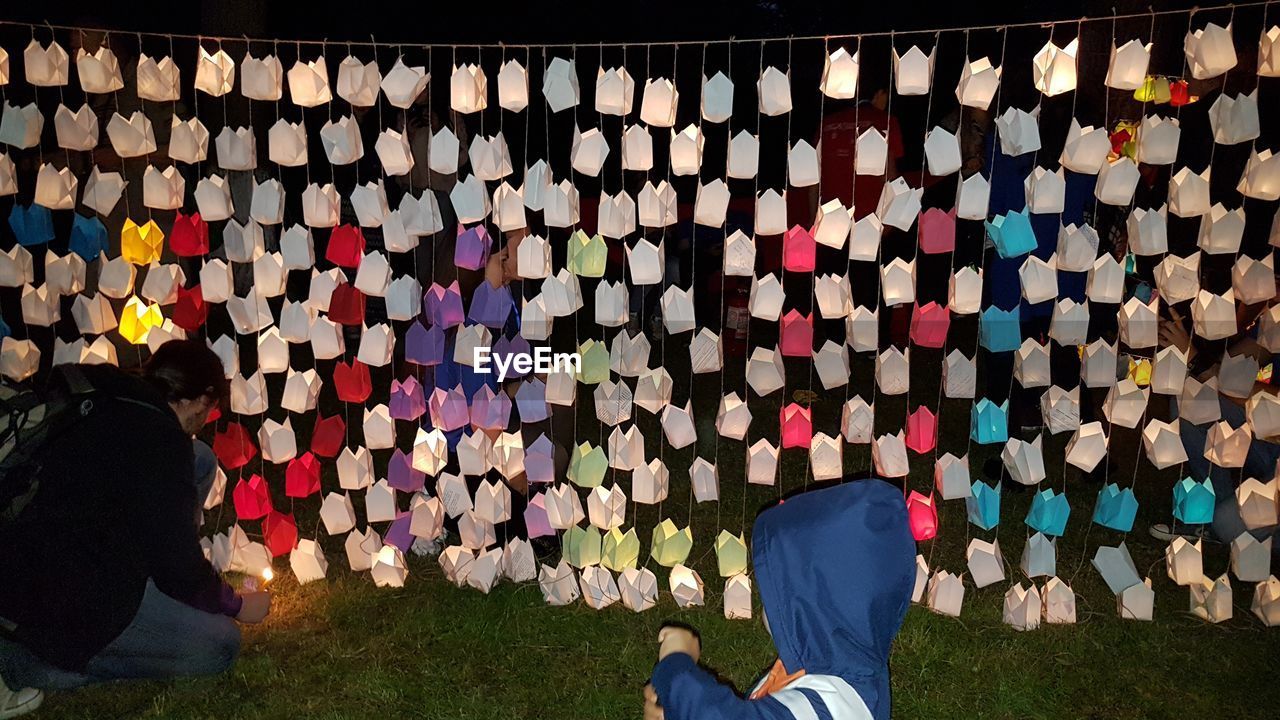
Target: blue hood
835,569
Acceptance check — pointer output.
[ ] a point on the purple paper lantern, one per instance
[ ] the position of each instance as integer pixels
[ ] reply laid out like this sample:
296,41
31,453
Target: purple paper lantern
443,305
471,251
503,350
531,400
424,346
408,400
398,534
401,474
540,461
491,306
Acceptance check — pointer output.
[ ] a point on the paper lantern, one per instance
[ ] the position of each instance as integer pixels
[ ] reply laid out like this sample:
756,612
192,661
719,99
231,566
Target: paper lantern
1250,559
1211,599
1184,561
1193,502
889,455
1266,601
1257,501
1115,508
650,482
703,477
897,282
913,71
1058,602
1039,556
1163,444
978,83
989,422
871,152
965,291
899,204
1087,446
1019,131
945,595
1098,368
986,564
1022,608
1136,601
1011,234
1127,69
951,476
706,353
1213,316
1024,461
1117,181
832,365
1045,191
1189,193
1053,69
857,421
983,505
893,371
1261,177
1209,51
355,469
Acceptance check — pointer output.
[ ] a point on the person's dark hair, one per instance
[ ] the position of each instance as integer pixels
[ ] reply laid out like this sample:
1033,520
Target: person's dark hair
186,370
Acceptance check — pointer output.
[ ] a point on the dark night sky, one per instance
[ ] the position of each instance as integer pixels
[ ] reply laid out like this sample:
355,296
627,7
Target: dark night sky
552,21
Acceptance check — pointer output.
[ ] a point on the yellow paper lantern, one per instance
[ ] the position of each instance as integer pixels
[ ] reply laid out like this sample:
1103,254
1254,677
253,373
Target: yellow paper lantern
1153,90
141,244
1140,372
137,319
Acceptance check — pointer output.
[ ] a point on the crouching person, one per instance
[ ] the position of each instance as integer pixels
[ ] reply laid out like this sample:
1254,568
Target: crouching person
101,572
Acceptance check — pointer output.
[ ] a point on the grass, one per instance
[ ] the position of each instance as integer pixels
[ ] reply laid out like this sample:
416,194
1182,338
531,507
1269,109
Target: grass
342,649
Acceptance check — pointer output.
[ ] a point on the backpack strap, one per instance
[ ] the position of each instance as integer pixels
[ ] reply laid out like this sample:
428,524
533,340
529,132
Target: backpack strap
76,382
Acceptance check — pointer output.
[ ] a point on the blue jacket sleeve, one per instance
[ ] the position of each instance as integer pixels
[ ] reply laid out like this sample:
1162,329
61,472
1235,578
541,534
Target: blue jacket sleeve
687,692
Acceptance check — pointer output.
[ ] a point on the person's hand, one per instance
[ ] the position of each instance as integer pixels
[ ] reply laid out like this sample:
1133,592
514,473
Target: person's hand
254,607
678,640
1174,332
652,710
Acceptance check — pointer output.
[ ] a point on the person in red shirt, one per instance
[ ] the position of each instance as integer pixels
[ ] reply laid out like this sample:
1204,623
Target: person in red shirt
841,128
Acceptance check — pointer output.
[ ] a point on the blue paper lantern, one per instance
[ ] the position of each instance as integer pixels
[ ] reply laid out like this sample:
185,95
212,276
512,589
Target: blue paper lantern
989,422
88,237
1049,512
1000,330
32,225
1193,502
1116,508
983,505
1011,233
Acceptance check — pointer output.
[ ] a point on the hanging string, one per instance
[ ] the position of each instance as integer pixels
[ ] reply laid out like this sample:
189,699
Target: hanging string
848,264
890,90
746,317
786,186
928,111
721,41
720,318
822,111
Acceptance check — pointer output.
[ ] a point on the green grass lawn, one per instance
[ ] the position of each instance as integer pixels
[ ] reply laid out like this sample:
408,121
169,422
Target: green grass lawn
344,649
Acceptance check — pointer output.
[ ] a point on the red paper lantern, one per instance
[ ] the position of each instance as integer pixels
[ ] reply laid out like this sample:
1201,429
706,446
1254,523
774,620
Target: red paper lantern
346,305
280,533
189,236
302,476
190,310
234,446
352,381
252,498
346,246
328,435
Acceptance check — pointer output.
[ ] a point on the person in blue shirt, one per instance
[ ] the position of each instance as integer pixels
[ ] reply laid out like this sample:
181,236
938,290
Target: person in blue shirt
835,569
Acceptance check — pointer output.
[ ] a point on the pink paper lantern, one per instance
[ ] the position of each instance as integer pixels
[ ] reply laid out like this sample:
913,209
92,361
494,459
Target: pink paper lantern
937,231
929,324
922,516
490,410
797,335
799,250
535,517
922,430
797,426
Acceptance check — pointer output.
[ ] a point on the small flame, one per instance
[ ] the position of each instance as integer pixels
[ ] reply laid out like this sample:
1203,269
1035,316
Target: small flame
267,575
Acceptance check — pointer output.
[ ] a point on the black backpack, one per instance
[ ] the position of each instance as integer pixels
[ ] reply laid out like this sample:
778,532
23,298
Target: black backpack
30,419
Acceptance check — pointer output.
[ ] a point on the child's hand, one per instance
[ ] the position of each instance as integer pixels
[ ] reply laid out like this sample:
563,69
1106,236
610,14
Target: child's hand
652,710
678,640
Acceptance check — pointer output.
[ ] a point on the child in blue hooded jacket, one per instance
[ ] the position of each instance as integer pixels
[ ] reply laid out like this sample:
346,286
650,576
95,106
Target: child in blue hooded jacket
835,569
